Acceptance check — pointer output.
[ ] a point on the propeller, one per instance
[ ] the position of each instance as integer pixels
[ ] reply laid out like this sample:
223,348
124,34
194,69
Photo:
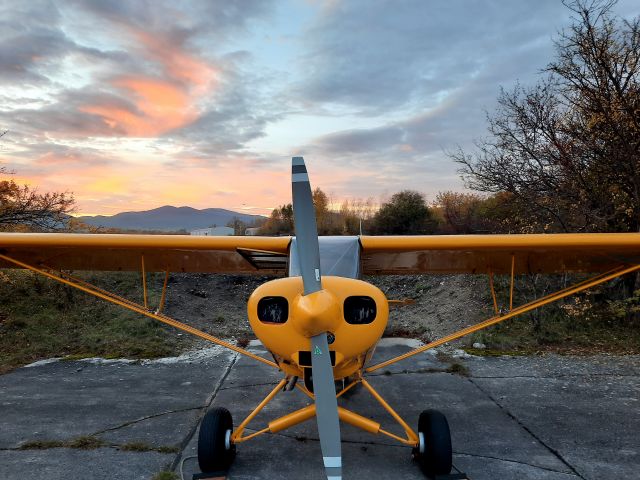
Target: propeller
321,370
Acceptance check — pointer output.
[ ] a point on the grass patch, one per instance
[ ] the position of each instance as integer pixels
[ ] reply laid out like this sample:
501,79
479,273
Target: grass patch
41,445
145,447
165,475
490,352
558,332
87,442
458,369
76,356
40,318
595,321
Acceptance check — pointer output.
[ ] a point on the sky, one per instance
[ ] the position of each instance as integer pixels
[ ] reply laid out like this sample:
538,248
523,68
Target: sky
131,105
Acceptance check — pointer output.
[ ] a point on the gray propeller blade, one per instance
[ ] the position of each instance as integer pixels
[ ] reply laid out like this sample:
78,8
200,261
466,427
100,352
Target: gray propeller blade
304,217
326,406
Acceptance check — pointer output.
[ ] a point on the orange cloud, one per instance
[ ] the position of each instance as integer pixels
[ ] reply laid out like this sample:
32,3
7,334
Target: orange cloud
129,183
161,107
163,104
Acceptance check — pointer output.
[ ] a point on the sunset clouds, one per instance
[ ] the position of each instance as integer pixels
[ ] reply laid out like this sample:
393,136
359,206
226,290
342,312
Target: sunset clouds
136,104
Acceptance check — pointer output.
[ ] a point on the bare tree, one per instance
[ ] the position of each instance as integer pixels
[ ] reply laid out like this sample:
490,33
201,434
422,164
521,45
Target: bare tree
23,208
568,149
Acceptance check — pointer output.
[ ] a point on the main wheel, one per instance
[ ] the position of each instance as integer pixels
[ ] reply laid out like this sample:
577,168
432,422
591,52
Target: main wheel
434,452
215,450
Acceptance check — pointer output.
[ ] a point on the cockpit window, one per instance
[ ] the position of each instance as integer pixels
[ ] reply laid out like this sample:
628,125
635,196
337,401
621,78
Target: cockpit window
359,310
273,310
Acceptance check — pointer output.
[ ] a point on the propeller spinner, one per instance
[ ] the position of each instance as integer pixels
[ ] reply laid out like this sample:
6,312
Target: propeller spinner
321,369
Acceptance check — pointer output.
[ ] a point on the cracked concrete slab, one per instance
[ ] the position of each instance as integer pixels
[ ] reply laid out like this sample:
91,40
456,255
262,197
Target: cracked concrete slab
546,418
490,441
157,404
554,366
591,422
64,463
166,429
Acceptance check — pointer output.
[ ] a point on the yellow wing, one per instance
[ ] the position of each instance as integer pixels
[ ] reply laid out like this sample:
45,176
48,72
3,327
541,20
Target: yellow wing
538,253
175,253
546,253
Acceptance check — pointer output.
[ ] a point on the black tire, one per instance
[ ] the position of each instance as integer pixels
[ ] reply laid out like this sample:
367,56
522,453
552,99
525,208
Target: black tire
436,459
213,455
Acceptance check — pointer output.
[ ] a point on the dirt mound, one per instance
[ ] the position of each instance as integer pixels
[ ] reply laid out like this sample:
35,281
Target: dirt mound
441,303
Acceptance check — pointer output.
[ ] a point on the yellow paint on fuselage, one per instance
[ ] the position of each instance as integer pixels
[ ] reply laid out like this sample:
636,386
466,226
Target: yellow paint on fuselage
315,313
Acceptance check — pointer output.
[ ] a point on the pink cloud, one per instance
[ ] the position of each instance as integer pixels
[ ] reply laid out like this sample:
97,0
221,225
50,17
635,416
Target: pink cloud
163,103
161,107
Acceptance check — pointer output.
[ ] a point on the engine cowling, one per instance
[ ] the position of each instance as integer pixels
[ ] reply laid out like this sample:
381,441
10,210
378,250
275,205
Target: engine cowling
353,312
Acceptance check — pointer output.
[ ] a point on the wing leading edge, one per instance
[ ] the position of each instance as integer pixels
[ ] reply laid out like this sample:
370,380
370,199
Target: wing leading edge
175,253
530,253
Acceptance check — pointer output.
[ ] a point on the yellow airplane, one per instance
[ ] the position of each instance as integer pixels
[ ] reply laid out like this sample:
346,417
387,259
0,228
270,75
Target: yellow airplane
320,323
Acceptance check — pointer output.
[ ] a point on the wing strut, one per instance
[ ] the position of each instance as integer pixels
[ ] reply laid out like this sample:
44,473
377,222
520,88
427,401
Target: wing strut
128,304
597,280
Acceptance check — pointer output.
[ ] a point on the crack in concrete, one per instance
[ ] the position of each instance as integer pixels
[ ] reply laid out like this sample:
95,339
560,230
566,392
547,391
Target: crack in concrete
528,430
410,372
248,385
501,377
142,419
567,375
204,409
475,455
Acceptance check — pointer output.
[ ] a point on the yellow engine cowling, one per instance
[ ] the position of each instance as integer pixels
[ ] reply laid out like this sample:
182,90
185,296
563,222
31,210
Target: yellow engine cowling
354,312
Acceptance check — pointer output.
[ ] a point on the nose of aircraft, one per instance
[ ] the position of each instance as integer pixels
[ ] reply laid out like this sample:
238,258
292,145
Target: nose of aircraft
315,313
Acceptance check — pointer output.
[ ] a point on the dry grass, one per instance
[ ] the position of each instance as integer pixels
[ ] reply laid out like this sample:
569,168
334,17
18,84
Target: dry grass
40,319
87,442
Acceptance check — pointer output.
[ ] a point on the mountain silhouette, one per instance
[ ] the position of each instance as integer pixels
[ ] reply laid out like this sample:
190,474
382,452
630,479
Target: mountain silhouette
169,218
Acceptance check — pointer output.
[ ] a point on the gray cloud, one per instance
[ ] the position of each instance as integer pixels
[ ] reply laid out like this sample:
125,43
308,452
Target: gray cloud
33,43
375,56
38,35
434,67
238,112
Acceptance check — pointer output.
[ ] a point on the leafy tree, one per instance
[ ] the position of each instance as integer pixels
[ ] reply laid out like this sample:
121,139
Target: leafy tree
567,150
239,227
280,222
406,213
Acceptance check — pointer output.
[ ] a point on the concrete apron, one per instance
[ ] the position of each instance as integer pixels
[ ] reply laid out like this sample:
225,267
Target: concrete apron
545,417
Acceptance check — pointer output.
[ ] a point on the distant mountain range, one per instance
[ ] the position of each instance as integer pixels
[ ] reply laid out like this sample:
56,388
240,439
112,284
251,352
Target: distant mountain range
169,218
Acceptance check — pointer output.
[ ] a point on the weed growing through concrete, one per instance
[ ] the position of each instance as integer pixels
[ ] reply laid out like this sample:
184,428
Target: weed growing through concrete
145,447
87,442
165,475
